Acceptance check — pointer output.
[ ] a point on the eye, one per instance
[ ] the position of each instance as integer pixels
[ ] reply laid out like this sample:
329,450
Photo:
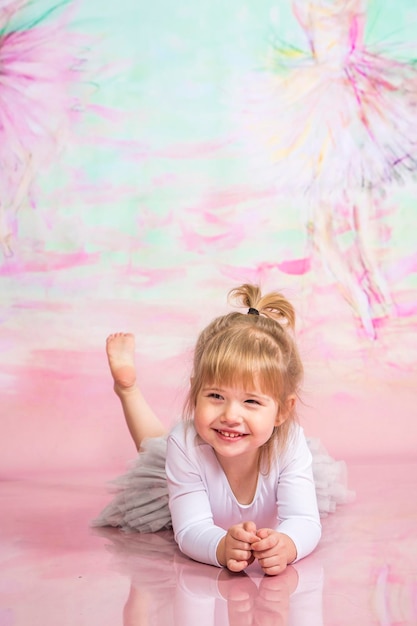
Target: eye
252,401
215,396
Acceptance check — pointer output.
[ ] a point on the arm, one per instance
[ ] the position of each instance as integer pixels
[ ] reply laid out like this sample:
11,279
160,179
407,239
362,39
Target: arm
298,515
192,519
195,531
298,528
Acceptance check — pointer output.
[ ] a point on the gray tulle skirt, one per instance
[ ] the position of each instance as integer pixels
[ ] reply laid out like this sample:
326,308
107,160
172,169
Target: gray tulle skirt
140,500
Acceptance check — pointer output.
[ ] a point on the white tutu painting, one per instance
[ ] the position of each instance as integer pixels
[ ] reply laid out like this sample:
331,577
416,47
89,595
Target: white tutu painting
337,122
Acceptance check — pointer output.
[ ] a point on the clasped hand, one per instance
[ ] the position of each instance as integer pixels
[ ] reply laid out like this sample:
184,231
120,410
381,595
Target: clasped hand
243,543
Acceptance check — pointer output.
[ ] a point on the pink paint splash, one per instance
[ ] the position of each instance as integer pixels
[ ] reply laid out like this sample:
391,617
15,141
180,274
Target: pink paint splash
193,150
47,262
402,268
229,222
295,267
42,305
40,67
236,196
228,239
262,271
153,277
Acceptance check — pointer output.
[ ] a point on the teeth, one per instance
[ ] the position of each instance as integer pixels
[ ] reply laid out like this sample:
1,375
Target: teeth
231,435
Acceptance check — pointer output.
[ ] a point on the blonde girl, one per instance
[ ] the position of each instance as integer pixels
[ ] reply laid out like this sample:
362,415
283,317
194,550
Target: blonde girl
234,478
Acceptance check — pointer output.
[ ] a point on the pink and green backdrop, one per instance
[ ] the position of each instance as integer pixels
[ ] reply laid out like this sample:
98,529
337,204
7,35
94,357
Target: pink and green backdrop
159,195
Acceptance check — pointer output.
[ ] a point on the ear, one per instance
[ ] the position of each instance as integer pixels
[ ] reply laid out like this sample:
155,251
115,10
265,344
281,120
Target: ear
286,411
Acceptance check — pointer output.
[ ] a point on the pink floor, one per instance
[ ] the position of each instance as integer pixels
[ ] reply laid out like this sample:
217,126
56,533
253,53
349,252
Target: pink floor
54,569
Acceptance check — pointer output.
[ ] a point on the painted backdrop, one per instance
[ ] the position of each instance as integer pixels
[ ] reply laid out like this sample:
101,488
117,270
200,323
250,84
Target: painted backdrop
155,155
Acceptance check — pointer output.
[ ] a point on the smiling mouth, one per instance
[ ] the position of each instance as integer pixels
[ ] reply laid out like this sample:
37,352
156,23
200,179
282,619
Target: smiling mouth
230,435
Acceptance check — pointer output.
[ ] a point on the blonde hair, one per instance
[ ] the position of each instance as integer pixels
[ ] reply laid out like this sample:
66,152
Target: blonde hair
251,350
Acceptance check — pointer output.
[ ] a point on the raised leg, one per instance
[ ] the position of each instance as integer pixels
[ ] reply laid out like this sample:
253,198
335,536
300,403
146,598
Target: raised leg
140,419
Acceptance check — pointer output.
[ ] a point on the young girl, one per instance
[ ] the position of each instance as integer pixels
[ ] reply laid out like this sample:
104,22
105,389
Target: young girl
234,478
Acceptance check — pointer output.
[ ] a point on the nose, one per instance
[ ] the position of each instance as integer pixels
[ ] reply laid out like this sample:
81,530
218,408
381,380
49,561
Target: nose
231,414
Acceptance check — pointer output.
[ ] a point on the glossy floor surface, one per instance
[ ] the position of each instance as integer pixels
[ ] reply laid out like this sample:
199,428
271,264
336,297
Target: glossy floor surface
55,569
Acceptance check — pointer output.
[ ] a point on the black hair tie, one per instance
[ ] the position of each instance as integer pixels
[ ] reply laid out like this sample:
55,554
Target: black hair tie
253,311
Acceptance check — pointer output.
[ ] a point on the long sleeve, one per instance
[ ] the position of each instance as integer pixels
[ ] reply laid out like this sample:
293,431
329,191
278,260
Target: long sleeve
298,515
192,517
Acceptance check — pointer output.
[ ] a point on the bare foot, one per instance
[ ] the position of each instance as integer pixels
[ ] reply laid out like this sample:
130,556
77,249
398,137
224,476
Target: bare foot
120,349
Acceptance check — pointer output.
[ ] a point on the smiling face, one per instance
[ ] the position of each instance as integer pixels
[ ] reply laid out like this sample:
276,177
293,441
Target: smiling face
251,363
235,422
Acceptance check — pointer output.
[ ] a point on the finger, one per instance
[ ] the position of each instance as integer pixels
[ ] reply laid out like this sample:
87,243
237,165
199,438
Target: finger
268,536
270,541
243,535
243,547
236,566
272,559
262,533
254,540
250,527
263,545
240,555
274,570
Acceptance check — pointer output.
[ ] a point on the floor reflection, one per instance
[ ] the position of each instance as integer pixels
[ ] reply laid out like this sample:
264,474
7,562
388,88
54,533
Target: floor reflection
55,569
168,588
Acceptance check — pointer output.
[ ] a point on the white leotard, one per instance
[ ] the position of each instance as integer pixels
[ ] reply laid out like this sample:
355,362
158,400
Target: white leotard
203,505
